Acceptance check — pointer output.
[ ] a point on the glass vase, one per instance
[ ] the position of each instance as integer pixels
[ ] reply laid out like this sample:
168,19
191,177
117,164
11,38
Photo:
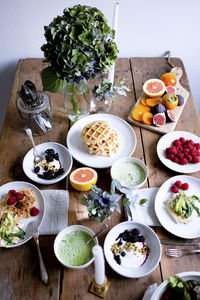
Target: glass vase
77,101
101,104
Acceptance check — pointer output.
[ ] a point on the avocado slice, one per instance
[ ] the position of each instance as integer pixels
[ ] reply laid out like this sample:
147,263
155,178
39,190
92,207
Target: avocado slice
7,224
179,205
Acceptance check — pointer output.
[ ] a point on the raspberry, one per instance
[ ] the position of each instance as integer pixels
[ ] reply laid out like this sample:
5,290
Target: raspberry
188,157
176,143
193,151
195,159
182,140
34,211
167,150
198,153
180,154
173,150
19,196
12,193
12,200
185,186
176,159
178,183
183,161
197,145
190,147
191,142
170,156
174,189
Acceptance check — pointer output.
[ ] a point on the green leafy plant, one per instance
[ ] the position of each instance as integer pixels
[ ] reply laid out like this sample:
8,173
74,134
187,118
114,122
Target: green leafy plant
79,45
104,89
101,204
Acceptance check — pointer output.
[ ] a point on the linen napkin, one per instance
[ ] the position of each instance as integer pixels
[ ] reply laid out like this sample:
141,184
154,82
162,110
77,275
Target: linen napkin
149,292
143,213
56,204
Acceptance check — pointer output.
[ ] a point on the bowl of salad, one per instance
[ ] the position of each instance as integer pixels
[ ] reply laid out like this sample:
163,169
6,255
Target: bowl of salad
182,286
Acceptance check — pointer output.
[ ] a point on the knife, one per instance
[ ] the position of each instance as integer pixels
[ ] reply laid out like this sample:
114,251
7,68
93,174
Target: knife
177,242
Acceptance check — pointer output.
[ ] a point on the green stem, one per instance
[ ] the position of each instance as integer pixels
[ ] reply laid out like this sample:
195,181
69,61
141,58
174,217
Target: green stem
74,104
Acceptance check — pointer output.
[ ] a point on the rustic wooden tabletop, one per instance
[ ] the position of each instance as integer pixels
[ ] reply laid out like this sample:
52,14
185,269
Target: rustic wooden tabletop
19,269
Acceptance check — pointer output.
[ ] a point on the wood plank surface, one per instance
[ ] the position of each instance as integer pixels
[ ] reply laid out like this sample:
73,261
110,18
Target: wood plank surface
19,269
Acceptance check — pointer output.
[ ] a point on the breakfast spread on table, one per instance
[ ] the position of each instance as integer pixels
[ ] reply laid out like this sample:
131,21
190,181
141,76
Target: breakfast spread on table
100,138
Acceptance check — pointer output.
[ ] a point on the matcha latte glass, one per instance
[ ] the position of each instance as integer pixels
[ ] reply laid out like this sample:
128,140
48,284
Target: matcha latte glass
71,249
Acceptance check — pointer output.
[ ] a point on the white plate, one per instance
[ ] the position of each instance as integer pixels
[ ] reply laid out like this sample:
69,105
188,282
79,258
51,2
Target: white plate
185,276
186,231
151,240
64,157
166,141
18,185
77,148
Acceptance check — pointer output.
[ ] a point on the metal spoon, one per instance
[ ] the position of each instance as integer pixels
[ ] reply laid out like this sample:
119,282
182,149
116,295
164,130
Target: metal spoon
37,157
103,227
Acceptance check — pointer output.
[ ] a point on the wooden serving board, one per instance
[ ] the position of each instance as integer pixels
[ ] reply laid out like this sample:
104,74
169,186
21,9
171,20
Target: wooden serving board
168,127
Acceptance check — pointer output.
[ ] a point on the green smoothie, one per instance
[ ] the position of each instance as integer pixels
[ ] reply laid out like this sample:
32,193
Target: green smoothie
128,173
73,250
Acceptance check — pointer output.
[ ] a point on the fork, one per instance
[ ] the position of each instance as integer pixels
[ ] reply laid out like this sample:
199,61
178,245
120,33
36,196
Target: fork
180,252
35,234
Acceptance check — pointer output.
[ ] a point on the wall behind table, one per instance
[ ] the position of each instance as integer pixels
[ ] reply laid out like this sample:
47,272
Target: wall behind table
146,28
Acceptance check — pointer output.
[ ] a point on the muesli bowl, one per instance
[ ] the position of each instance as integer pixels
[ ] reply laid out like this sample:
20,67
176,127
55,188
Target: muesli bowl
133,264
126,169
73,251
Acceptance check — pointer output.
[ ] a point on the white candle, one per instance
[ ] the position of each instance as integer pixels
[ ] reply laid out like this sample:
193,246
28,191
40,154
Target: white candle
99,264
111,71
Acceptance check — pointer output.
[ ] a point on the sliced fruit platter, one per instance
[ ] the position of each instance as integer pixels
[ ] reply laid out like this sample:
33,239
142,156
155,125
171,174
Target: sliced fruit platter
161,103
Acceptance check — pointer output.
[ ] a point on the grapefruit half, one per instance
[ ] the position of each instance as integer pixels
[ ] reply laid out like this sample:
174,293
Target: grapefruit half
82,179
154,88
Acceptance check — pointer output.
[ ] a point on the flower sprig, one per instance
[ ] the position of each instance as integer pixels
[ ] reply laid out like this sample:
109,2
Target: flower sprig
101,204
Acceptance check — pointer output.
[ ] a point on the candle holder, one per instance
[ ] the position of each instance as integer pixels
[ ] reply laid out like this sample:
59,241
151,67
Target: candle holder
99,289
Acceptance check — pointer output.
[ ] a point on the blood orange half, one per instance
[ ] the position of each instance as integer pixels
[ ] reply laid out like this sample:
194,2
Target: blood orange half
82,179
154,88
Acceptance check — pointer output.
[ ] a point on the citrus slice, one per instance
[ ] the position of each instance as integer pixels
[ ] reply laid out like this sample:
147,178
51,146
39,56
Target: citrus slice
143,101
82,179
138,111
154,88
152,102
170,89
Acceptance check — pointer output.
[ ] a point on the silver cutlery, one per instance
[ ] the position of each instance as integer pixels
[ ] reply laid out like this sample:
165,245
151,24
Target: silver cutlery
37,157
33,229
103,227
180,252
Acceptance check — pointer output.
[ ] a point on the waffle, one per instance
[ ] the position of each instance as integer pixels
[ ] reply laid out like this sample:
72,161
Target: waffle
100,138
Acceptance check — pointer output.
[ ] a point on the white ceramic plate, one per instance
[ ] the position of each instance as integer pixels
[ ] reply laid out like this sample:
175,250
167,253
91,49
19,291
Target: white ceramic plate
187,231
151,240
166,141
64,157
77,148
185,276
18,185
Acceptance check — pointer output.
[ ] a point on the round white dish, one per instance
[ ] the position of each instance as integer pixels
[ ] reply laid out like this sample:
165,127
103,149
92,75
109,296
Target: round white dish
166,141
185,276
133,160
18,185
65,231
151,240
77,148
186,231
64,157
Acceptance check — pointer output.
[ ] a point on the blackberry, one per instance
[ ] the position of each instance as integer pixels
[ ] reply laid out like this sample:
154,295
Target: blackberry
50,151
59,172
123,253
117,259
56,156
141,238
37,169
135,232
120,243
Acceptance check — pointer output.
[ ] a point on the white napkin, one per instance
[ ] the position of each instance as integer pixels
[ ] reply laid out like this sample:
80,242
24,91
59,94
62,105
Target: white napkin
56,211
149,292
144,213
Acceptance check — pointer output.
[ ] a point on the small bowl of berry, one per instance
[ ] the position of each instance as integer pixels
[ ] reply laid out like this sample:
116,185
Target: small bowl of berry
55,165
132,249
180,151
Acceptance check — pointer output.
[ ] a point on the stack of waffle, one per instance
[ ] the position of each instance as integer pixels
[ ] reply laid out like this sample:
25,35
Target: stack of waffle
100,138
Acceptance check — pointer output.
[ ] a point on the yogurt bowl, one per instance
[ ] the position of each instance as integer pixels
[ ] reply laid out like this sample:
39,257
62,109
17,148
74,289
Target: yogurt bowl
70,247
131,172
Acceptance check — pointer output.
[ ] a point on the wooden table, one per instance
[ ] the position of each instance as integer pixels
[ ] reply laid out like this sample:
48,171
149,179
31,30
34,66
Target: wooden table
19,269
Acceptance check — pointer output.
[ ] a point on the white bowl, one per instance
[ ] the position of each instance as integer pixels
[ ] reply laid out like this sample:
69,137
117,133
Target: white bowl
133,160
185,276
64,157
65,231
151,240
